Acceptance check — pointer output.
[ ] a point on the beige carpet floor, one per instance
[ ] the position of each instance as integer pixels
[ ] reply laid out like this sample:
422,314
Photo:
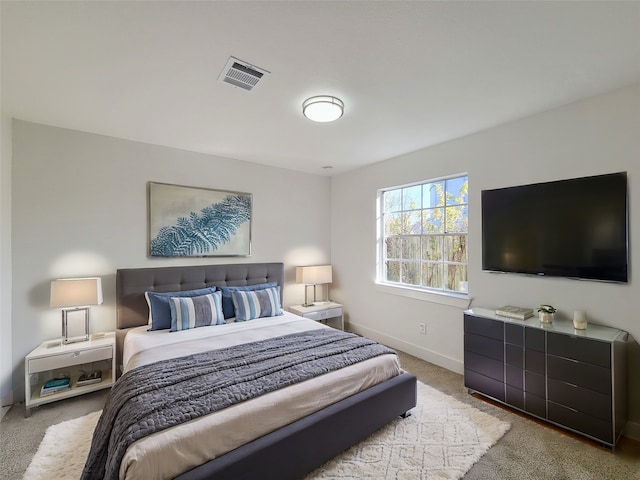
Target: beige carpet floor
528,451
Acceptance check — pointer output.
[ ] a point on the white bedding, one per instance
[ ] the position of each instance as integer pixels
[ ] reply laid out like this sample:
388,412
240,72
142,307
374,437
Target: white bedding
168,453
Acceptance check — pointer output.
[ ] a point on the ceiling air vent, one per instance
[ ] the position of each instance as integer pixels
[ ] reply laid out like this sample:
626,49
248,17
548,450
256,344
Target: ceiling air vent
242,74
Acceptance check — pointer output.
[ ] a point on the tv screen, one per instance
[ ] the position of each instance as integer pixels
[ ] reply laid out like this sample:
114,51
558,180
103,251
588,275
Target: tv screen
568,228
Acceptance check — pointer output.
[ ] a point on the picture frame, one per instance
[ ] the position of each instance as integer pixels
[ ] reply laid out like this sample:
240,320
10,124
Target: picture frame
198,222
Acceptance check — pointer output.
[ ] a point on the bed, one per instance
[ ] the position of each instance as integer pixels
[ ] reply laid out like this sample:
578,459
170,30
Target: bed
282,434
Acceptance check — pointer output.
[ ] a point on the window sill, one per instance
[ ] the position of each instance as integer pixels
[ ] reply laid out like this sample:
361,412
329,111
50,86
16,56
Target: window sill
459,300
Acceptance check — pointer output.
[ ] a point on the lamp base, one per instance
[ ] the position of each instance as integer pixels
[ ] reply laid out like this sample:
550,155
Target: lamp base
67,341
65,331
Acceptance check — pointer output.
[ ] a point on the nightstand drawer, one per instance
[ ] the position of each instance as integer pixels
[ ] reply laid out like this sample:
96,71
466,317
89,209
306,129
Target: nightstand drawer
322,314
69,359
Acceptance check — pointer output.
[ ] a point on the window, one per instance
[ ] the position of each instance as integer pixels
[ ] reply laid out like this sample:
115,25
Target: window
424,235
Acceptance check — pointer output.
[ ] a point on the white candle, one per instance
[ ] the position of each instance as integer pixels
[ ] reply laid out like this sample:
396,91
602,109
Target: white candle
579,320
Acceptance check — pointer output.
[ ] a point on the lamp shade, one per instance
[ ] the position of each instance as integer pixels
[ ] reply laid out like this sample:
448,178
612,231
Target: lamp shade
314,274
76,292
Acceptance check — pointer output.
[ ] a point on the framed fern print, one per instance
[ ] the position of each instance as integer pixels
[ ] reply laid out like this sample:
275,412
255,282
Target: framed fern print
198,222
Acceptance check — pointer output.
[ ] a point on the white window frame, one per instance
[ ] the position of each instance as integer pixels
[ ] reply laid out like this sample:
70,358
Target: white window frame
439,295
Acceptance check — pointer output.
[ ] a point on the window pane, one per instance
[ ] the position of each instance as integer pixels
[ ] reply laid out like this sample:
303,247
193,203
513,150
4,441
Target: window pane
433,220
433,194
392,201
456,248
432,275
411,248
411,222
432,248
393,224
411,197
457,190
393,271
457,219
457,278
411,273
393,247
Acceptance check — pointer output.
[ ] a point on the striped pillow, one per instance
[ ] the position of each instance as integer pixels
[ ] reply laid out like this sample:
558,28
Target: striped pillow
256,304
193,312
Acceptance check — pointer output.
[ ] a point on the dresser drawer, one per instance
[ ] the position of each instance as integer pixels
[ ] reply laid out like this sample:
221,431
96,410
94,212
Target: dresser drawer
488,367
485,385
581,349
535,405
489,347
514,376
534,339
584,375
484,326
578,398
69,359
534,361
581,422
514,334
534,383
514,355
514,397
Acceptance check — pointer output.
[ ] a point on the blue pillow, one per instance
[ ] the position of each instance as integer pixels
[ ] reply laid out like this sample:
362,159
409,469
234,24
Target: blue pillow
256,304
194,312
227,303
160,308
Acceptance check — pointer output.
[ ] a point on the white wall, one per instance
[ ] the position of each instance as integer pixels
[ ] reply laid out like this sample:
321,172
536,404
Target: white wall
594,136
6,390
80,209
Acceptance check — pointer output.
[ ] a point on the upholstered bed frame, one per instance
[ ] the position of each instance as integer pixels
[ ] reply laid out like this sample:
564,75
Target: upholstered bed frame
298,448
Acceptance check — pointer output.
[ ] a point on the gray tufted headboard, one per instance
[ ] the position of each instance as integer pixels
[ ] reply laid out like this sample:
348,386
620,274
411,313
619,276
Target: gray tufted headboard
131,283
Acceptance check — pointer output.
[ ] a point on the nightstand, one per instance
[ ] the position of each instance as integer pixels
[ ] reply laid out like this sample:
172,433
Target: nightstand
329,313
52,360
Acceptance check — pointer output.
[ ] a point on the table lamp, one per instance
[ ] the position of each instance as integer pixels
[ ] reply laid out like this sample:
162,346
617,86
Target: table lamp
313,275
74,295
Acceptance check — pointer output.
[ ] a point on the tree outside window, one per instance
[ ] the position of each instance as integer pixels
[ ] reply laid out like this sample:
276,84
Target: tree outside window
425,228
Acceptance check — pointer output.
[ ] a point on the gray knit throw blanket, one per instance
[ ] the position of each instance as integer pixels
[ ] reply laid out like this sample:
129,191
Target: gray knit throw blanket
161,395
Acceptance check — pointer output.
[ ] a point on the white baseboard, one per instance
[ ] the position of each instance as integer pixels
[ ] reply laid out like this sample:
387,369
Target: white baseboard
632,430
410,348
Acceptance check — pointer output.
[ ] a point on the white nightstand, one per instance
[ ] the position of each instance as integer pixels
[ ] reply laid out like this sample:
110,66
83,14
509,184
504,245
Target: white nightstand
329,313
52,360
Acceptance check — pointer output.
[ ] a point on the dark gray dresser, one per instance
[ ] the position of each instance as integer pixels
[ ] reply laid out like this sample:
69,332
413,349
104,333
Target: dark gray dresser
572,378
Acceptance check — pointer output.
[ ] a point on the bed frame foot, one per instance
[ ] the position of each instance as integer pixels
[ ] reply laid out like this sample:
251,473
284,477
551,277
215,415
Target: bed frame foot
406,414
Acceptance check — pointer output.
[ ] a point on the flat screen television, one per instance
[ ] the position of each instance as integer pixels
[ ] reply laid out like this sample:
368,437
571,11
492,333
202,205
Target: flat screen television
575,228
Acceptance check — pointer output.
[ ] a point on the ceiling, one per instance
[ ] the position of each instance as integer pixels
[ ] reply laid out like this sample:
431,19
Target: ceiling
411,74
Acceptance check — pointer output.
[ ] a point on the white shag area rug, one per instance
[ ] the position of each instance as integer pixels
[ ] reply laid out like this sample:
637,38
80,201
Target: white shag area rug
442,439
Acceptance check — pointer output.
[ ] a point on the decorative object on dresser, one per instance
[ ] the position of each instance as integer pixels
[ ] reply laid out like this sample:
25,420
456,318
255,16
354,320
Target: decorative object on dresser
198,222
519,313
313,275
576,380
55,371
75,295
579,320
546,313
330,313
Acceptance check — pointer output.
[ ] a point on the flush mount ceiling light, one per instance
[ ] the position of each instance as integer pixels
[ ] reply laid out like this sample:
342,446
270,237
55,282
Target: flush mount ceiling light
323,108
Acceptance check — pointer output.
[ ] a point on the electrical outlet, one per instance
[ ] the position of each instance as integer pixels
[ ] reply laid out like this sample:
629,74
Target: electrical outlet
423,328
